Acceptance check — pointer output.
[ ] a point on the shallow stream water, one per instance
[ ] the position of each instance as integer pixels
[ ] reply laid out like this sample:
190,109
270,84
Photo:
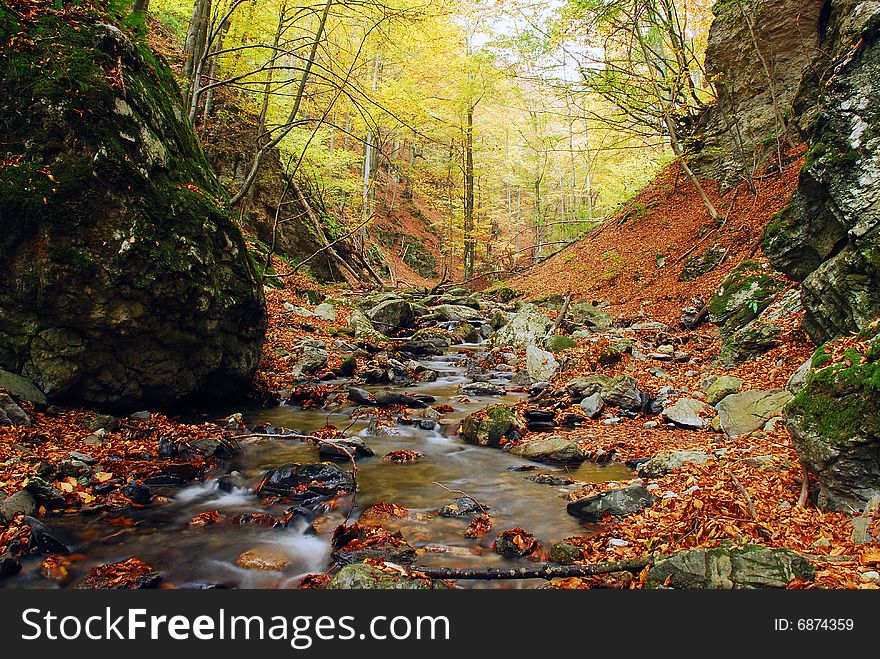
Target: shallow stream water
161,535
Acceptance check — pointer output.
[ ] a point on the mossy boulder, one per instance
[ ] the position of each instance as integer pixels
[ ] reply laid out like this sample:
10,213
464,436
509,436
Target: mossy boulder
550,449
559,343
726,568
834,421
360,576
123,276
743,295
528,327
491,425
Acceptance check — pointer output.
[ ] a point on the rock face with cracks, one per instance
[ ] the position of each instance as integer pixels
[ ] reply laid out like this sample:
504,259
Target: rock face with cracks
123,277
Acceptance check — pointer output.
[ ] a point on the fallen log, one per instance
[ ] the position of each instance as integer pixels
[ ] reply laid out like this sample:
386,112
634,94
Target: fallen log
545,571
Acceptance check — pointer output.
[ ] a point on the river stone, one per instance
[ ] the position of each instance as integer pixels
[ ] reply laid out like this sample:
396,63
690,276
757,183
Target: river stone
664,463
549,449
481,389
722,387
489,426
308,481
391,316
463,507
457,313
527,327
623,501
834,421
592,405
262,558
580,388
623,391
541,365
20,502
360,576
747,567
10,410
363,327
354,445
325,311
688,413
313,356
131,282
745,412
9,566
21,388
565,553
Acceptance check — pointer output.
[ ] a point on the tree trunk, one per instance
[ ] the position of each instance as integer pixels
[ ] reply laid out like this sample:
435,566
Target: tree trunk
469,243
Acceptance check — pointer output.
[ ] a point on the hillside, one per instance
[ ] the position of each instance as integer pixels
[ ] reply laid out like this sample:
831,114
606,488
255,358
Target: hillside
663,249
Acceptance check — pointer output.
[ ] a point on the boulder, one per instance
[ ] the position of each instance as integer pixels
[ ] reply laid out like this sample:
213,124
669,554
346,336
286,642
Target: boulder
21,388
721,387
592,405
360,576
463,507
313,356
355,447
22,502
363,327
559,343
541,365
799,378
623,391
565,553
481,389
688,413
489,426
391,316
745,412
834,421
746,567
307,481
549,449
527,327
589,315
745,292
664,463
131,281
457,313
580,388
619,502
12,413
325,311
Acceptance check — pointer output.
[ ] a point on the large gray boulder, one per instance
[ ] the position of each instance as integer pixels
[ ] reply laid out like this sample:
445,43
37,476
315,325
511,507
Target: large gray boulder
527,327
623,501
541,365
123,275
457,312
21,388
391,316
747,567
745,412
549,449
688,413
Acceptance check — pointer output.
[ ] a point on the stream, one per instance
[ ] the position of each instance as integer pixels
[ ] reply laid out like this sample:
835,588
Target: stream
196,556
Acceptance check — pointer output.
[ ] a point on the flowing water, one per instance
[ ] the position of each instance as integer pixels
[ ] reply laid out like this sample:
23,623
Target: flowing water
162,536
